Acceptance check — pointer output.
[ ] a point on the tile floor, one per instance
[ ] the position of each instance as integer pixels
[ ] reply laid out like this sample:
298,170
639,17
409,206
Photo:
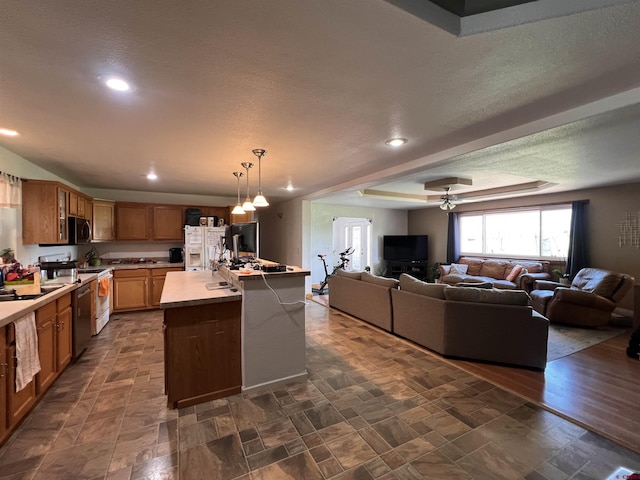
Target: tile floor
373,407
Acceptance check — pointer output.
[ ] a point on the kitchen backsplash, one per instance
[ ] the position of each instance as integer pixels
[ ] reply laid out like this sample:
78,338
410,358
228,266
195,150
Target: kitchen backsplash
111,250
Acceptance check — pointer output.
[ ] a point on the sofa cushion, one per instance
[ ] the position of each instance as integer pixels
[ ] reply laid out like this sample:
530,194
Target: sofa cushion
382,281
480,295
532,267
344,273
458,269
600,282
504,284
475,284
494,269
513,274
413,285
475,264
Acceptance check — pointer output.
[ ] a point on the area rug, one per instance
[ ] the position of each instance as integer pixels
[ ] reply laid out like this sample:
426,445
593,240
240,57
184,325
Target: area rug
565,340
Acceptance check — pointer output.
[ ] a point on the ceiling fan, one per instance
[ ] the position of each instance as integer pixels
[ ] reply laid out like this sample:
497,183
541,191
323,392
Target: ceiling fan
447,200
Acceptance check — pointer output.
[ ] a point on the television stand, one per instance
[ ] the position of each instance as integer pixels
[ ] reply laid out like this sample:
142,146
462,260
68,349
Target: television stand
415,268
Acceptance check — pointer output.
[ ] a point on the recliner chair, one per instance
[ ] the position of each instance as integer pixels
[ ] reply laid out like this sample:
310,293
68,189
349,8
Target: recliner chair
588,302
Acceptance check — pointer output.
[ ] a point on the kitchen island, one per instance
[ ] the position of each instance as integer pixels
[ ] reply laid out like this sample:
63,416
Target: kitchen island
219,341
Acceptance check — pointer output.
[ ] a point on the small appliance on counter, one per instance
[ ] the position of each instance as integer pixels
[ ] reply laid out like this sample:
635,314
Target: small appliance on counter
67,269
175,255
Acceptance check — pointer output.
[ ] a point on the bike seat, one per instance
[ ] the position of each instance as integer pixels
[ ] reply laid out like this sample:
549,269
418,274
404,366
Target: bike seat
322,255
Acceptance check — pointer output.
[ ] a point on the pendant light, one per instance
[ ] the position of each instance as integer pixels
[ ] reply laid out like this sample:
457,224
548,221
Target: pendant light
260,201
237,210
247,206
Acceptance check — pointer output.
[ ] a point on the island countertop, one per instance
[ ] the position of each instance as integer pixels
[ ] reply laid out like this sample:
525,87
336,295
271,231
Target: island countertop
189,288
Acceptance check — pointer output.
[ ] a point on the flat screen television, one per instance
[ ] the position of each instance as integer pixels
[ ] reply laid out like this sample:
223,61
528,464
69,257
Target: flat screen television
405,247
248,239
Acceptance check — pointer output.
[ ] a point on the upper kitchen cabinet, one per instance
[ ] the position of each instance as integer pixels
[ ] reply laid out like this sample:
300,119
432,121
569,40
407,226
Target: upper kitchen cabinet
103,220
168,222
79,206
45,212
242,218
133,221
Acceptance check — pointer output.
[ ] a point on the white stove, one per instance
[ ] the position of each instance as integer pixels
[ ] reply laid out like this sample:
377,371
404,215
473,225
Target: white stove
103,294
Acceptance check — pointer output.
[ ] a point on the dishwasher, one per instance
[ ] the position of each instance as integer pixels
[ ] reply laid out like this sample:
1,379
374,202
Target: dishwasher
81,331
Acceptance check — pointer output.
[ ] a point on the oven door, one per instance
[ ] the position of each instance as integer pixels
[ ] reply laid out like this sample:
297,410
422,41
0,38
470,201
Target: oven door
103,309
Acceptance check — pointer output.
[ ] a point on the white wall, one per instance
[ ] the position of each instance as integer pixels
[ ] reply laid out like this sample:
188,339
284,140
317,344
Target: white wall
158,197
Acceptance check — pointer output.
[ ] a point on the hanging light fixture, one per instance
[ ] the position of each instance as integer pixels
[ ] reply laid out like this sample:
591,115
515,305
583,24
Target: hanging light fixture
260,201
447,200
238,210
247,206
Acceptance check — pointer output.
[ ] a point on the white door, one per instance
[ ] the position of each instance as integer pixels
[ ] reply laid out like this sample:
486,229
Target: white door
356,233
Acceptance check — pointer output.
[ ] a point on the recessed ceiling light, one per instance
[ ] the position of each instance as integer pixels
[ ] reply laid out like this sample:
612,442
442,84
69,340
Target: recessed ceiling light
116,83
289,188
152,176
396,142
8,132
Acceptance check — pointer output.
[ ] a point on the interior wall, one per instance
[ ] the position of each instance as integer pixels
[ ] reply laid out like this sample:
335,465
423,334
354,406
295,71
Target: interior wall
605,212
159,197
383,222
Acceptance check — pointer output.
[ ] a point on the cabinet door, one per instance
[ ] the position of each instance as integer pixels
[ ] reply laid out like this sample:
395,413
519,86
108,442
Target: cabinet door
220,212
63,332
158,276
103,221
39,212
168,222
81,207
73,204
19,403
131,292
132,222
63,215
45,324
4,372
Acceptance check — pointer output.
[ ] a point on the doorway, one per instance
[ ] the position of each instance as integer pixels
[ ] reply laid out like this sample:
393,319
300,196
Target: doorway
353,232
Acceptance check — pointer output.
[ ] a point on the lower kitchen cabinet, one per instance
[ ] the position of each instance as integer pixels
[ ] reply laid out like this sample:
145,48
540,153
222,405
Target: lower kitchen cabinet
64,334
54,329
46,324
202,352
140,288
158,276
19,403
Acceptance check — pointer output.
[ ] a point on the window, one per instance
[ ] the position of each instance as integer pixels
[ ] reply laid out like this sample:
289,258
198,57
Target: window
537,232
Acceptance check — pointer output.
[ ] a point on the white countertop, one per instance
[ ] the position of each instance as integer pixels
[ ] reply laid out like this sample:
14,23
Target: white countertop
13,310
183,289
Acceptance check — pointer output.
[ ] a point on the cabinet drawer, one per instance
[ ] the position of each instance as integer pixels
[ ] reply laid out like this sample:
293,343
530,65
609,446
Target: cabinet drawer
133,272
161,272
63,302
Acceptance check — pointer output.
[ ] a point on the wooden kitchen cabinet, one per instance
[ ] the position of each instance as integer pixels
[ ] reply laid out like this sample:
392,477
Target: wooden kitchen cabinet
202,355
158,276
4,371
18,403
46,321
168,222
133,221
103,220
45,212
63,333
130,289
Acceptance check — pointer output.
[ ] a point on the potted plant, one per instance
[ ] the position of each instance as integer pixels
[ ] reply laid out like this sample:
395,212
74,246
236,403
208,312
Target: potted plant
563,278
93,257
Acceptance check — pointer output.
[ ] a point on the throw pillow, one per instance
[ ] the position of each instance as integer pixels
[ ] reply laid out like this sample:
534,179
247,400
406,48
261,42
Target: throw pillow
515,271
344,273
458,269
413,285
382,281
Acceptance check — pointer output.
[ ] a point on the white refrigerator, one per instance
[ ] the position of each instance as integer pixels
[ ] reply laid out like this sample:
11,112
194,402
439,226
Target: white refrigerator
202,245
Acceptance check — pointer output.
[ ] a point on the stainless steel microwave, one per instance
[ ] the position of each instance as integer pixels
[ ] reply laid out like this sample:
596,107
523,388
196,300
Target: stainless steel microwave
79,231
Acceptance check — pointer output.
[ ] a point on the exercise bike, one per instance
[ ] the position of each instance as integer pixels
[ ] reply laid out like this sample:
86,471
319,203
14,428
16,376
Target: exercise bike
344,262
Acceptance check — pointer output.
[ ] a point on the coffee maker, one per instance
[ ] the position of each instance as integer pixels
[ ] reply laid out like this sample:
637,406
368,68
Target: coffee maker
175,255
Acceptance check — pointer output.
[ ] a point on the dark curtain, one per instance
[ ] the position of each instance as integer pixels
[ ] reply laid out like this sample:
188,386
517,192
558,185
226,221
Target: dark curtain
578,256
453,239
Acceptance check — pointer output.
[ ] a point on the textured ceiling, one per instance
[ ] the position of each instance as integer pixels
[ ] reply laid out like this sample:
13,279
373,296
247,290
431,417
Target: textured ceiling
320,85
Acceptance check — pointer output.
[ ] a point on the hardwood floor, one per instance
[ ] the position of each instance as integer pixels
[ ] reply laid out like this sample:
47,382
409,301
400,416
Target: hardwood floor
597,388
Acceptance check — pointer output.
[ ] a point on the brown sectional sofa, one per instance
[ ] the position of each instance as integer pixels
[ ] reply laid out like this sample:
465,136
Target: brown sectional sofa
365,296
493,325
478,324
496,271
